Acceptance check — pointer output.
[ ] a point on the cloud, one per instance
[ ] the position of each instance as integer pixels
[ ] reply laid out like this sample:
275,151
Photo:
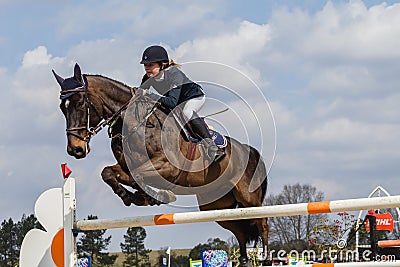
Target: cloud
140,19
340,32
33,91
35,57
344,48
236,48
348,133
331,77
376,110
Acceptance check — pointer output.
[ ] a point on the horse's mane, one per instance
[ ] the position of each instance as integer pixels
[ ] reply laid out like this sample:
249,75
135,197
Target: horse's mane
117,83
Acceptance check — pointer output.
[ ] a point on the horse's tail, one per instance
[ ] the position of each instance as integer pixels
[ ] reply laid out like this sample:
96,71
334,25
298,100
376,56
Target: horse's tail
262,172
253,233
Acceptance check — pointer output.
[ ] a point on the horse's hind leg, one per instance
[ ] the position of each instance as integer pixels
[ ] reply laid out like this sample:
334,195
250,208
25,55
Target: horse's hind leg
262,225
253,199
238,228
114,176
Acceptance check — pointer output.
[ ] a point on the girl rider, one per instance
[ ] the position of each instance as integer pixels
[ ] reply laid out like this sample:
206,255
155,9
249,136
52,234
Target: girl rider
175,88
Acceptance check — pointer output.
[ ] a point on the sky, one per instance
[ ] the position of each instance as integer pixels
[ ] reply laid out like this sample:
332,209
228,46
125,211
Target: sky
322,75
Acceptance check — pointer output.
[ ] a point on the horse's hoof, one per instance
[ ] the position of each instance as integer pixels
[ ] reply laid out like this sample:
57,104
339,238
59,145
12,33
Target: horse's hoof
165,196
130,198
125,195
267,262
153,202
139,199
126,202
244,262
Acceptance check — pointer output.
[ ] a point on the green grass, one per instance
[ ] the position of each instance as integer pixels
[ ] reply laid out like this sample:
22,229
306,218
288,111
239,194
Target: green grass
153,256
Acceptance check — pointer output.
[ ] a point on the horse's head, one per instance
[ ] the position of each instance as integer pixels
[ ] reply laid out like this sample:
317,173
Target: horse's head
79,112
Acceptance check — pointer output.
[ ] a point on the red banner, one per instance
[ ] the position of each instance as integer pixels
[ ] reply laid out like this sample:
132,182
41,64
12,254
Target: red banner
66,172
384,221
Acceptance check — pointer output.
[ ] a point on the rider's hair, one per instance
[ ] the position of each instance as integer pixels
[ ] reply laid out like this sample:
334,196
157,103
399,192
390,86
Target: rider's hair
165,65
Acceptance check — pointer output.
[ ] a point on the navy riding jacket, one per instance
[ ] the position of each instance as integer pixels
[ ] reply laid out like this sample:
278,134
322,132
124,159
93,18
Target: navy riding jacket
173,86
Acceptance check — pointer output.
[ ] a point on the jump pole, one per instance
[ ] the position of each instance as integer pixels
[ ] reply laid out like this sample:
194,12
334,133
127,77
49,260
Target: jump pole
252,213
242,213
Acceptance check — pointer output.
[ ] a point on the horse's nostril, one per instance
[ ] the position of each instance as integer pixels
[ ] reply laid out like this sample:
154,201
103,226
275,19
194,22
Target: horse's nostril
78,150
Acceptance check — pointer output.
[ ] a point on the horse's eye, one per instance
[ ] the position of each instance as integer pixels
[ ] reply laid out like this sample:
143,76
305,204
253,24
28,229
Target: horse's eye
67,103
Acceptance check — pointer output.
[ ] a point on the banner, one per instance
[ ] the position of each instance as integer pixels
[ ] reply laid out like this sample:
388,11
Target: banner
384,221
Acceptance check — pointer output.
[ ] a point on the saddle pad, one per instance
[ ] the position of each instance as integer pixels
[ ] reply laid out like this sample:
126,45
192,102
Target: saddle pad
219,139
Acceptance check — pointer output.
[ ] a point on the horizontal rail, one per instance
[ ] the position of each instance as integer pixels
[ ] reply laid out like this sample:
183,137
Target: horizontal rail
243,213
389,243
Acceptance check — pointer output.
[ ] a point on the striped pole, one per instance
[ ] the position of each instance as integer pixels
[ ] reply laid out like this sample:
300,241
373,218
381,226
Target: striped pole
243,213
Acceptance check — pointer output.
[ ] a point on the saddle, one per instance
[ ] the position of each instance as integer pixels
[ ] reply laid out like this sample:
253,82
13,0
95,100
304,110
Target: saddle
189,135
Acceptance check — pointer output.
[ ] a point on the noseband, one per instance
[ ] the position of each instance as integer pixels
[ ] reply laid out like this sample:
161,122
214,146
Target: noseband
73,130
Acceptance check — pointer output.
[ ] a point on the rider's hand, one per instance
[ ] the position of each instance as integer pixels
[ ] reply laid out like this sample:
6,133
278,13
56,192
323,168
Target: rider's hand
142,92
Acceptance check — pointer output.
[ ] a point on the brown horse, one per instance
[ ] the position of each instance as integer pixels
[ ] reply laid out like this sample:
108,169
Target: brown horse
152,153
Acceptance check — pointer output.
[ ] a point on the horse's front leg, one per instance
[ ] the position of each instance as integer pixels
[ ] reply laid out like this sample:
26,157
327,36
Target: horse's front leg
114,176
152,172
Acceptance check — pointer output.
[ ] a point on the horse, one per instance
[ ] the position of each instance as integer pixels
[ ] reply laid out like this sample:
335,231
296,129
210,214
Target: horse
145,142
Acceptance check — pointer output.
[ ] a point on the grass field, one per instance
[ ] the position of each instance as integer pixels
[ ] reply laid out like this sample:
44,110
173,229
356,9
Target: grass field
153,256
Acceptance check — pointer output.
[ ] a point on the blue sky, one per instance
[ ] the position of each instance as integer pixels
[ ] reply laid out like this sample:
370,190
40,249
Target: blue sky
329,71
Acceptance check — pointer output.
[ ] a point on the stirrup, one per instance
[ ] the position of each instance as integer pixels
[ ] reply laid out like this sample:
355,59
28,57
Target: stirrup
219,155
214,153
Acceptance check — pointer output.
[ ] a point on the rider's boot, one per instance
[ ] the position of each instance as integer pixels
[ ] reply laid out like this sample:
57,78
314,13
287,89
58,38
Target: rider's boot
200,128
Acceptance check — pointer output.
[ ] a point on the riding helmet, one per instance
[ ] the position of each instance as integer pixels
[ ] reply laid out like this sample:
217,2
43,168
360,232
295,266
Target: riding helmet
154,53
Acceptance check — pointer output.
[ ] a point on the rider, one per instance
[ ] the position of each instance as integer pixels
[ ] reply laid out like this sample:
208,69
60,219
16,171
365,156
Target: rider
175,88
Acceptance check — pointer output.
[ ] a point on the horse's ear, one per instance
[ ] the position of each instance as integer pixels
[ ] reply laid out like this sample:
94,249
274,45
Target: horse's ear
59,79
78,73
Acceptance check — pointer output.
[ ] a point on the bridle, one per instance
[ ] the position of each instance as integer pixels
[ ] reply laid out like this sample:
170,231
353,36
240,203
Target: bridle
92,131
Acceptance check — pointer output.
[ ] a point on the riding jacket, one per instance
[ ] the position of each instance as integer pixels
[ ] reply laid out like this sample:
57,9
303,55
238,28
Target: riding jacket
173,86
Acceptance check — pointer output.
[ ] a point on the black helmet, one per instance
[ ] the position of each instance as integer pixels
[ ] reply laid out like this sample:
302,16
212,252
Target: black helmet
154,53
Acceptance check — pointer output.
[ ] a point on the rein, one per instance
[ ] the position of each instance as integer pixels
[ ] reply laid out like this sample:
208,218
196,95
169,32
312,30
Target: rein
108,122
180,178
145,118
92,131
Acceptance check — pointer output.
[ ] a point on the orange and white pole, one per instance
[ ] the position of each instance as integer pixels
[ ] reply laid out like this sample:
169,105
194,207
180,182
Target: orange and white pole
243,213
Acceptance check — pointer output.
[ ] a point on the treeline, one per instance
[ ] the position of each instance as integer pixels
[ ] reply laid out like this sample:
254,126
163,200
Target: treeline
11,236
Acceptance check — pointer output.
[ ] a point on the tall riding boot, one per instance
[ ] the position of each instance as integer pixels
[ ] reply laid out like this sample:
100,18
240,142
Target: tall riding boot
199,127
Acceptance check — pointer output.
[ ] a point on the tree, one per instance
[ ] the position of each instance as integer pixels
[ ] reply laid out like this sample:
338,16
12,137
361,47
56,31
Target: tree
179,260
335,233
93,244
11,237
212,243
136,255
8,243
294,229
